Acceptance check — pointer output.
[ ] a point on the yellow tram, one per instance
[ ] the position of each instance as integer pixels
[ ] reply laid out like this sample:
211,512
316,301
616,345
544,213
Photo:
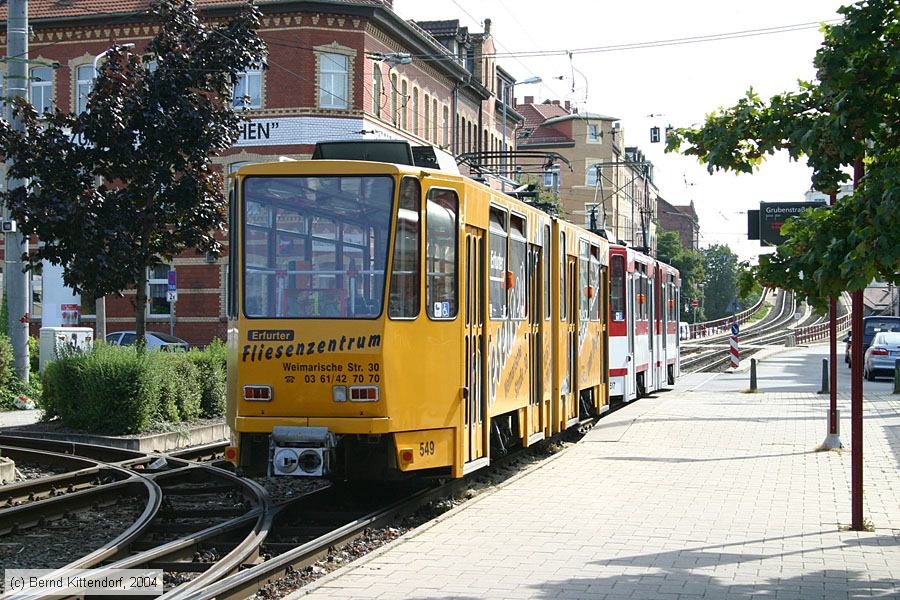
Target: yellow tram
390,320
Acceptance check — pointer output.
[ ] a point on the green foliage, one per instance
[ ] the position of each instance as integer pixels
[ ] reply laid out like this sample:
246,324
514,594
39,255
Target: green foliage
848,117
118,390
4,317
109,390
210,364
150,131
690,266
720,283
34,355
7,373
179,385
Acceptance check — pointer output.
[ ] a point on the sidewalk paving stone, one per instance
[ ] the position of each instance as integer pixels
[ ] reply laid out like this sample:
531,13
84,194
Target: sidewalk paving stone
693,493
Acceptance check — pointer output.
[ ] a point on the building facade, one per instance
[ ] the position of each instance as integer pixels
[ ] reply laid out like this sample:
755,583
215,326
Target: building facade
681,219
599,181
335,69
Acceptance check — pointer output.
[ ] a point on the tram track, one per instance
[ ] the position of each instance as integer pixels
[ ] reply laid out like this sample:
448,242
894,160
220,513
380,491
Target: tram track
213,534
772,329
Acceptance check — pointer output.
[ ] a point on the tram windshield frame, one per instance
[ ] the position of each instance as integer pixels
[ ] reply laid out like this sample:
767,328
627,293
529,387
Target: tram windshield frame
315,246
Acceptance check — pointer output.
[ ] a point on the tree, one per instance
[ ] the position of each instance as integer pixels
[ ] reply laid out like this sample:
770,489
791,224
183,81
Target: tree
148,136
690,266
719,285
848,118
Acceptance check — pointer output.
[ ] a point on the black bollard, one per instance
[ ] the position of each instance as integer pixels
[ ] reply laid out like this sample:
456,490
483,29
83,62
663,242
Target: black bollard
825,379
897,376
752,374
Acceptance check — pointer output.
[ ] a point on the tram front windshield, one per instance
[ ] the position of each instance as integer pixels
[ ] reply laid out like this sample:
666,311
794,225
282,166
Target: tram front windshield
315,247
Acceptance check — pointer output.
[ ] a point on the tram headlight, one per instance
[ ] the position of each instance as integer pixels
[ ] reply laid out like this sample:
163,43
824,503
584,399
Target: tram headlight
339,393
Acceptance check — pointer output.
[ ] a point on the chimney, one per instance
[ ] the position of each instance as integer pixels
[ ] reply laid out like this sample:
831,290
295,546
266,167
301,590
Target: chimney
388,3
568,105
556,102
529,99
487,22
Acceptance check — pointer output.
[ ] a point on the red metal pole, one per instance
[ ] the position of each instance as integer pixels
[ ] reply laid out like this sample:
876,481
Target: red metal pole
856,396
832,332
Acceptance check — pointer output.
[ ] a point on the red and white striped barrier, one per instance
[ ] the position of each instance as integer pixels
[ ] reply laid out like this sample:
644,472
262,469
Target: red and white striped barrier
735,350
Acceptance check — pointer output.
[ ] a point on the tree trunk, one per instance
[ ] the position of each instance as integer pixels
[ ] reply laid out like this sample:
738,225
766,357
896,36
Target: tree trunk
140,309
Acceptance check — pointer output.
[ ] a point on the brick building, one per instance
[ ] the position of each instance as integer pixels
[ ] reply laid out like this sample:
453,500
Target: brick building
681,219
603,178
335,69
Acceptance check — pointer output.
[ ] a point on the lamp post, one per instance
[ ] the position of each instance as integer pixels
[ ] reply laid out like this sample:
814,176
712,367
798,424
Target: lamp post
506,94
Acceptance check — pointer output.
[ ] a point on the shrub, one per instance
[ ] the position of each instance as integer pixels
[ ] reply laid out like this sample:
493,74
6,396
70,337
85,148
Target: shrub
7,372
179,385
111,390
34,355
120,390
210,364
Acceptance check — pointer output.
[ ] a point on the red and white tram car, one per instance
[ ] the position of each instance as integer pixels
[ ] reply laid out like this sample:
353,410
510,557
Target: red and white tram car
643,324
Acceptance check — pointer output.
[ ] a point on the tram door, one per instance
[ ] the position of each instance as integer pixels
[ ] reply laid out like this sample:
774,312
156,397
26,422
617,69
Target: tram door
475,402
631,374
572,338
535,342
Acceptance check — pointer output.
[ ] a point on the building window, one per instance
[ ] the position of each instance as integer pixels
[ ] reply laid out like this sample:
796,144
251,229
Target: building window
434,122
37,293
592,173
334,75
157,286
395,109
427,126
594,134
445,129
551,179
84,83
404,104
248,89
41,89
415,111
376,91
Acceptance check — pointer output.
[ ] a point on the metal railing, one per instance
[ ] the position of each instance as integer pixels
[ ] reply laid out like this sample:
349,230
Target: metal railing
723,325
819,331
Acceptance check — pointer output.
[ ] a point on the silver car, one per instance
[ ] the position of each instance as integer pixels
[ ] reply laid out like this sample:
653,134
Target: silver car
155,341
882,355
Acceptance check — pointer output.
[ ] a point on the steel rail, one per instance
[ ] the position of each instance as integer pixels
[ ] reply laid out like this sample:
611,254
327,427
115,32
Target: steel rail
778,321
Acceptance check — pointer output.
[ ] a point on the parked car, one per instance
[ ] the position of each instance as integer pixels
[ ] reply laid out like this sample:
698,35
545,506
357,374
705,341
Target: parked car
871,327
155,340
882,355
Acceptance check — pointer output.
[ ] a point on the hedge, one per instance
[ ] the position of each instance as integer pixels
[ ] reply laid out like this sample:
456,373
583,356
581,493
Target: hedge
118,390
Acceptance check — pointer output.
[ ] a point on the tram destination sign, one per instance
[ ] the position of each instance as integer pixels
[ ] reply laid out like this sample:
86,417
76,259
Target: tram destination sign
765,224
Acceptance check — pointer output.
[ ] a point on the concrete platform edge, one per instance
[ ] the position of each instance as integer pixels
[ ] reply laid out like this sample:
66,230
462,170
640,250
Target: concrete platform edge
159,442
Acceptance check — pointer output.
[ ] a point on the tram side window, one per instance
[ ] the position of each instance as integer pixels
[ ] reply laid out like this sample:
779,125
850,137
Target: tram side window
497,267
617,287
545,260
584,277
641,292
517,259
441,226
594,310
405,270
562,277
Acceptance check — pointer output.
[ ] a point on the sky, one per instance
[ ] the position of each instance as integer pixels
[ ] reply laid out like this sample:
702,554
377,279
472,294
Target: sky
671,85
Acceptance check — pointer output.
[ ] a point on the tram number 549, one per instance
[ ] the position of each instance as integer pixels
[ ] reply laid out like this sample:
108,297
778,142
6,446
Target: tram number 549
426,448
